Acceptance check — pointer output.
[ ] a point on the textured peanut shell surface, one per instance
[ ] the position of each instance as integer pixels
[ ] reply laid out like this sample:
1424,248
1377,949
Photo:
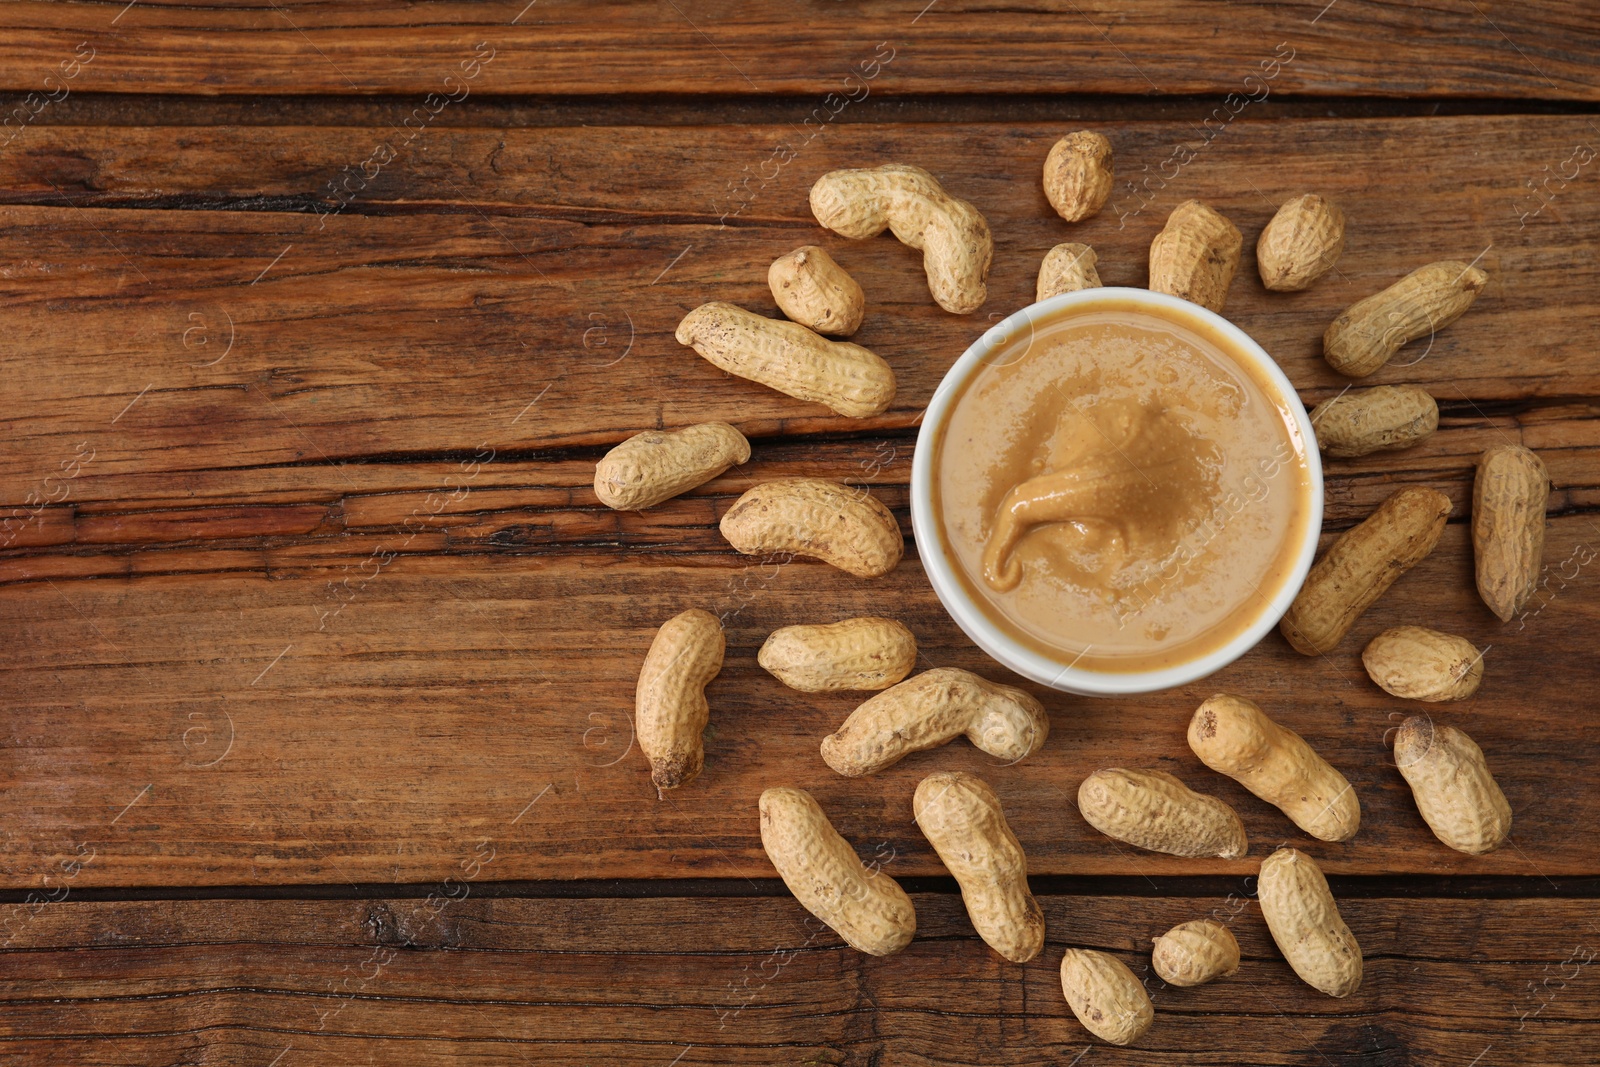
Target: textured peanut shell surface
1195,952
952,235
863,653
670,709
1509,496
844,526
787,357
931,709
1154,810
1305,923
1067,268
1450,780
961,818
1078,175
1369,333
1301,243
1416,663
1108,999
657,465
1361,565
866,908
1196,255
816,292
1234,737
1384,418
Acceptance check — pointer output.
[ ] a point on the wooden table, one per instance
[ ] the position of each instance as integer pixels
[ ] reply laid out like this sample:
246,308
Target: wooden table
320,650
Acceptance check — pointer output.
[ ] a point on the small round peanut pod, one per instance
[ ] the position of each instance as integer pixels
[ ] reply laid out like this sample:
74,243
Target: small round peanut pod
1154,810
848,528
1195,952
864,653
657,465
1305,922
1078,174
866,908
670,709
1301,243
1385,418
816,292
1196,255
1450,781
1105,995
1067,268
1416,663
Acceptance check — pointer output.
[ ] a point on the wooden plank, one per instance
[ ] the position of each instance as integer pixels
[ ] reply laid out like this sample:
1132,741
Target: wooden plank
284,719
1519,49
756,980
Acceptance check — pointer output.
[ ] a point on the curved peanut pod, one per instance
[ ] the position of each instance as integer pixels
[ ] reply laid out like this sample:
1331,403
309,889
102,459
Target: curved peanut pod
1194,953
961,818
1067,268
953,237
1078,174
866,908
1301,243
657,465
816,292
849,528
1425,301
1384,418
1364,562
670,709
1305,922
1509,497
1450,780
789,358
864,653
933,709
1196,255
1234,737
1154,810
1416,663
1105,995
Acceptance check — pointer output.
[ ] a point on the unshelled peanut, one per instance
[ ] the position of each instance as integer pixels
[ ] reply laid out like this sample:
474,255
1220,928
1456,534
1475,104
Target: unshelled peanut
864,653
848,528
1154,810
1196,255
1301,243
1066,268
1078,175
866,908
657,465
1369,333
1361,565
1509,497
953,237
670,709
961,818
816,292
1195,952
1306,924
1108,999
790,358
1234,737
1385,418
1416,663
933,709
1450,781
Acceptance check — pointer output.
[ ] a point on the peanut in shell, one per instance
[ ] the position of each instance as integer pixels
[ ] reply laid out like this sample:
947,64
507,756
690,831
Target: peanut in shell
861,653
1385,418
670,708
657,465
1369,333
1509,496
1450,781
1107,998
1306,924
1301,243
1154,810
1194,953
1196,255
843,526
1416,663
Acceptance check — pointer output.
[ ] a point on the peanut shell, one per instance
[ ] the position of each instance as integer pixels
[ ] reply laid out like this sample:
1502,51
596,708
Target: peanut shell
1301,243
864,653
1154,810
1416,663
657,465
1509,497
1385,418
1194,953
1369,333
848,528
1305,923
1196,255
670,709
1450,781
1066,268
816,292
1106,996
1078,175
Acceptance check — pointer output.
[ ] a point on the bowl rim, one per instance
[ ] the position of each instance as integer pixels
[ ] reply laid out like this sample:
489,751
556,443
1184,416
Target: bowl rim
1000,646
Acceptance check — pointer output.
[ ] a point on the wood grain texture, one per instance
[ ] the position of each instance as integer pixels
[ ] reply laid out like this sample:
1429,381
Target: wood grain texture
757,981
1518,49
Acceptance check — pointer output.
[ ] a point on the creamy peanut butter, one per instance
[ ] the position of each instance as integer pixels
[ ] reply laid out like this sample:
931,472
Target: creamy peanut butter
1117,491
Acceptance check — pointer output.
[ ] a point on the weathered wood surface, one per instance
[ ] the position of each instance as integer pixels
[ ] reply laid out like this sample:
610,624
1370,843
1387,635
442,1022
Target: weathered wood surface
336,602
1460,48
755,980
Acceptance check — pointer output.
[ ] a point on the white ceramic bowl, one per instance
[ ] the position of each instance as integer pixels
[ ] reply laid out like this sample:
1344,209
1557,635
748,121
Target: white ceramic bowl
991,638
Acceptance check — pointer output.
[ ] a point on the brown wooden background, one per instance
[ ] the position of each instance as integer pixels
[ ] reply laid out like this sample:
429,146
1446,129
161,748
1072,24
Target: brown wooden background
319,658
